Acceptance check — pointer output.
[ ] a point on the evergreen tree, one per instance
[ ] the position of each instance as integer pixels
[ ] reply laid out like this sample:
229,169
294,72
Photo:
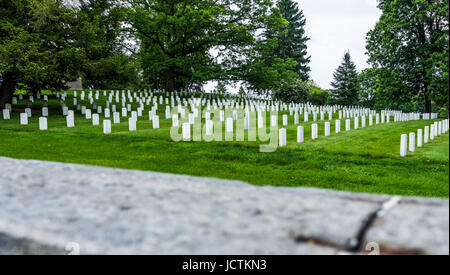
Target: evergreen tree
409,48
345,82
292,44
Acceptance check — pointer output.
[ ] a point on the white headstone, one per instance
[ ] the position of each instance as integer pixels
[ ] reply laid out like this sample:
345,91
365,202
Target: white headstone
314,131
107,113
356,122
273,121
155,122
42,123
229,125
107,126
124,112
88,114
116,118
23,119
370,120
363,122
403,145
347,125
186,131
327,129
95,120
300,134
426,134
432,131
338,126
419,138
412,142
131,124
282,137
6,114
209,125
285,120
70,121
28,112
175,120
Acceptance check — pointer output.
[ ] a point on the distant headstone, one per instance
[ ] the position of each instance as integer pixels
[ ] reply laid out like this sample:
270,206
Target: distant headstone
88,114
347,125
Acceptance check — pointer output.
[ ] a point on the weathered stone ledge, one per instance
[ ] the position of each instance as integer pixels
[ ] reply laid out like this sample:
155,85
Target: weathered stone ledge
46,207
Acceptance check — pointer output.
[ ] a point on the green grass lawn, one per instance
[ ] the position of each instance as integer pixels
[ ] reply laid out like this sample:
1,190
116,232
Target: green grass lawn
363,160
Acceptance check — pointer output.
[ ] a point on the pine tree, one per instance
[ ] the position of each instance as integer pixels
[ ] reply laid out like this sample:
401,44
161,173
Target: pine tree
346,82
292,44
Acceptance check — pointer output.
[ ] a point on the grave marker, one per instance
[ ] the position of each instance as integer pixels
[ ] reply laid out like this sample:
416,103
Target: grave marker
42,123
403,145
107,126
300,133
282,137
23,119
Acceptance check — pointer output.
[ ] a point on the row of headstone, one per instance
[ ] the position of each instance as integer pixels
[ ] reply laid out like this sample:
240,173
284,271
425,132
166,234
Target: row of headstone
423,136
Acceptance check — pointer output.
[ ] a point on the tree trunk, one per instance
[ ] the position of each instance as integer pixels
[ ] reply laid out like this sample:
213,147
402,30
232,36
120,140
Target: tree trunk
7,88
170,81
427,104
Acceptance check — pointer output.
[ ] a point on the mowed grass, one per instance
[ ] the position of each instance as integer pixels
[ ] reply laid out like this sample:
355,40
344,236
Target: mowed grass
363,160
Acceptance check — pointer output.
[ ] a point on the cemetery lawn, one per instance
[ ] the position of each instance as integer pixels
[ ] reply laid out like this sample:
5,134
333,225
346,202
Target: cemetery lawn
363,160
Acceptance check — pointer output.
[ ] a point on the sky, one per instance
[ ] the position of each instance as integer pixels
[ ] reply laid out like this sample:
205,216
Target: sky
335,26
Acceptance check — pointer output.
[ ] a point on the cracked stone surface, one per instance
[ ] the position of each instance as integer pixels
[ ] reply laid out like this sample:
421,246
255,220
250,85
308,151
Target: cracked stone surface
47,206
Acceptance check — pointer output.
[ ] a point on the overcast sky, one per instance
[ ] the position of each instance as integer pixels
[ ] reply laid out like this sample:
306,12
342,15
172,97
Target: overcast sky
335,26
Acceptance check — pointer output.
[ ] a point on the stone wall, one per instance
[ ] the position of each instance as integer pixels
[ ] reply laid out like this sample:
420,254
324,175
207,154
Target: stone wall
57,208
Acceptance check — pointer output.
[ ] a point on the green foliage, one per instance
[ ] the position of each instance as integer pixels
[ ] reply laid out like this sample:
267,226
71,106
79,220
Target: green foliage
265,71
292,42
35,45
409,45
296,90
345,83
177,36
318,96
98,34
221,88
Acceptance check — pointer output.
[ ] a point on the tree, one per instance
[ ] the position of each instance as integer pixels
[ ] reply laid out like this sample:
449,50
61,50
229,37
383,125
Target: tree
296,90
369,88
221,88
98,33
292,43
318,96
345,82
178,35
410,46
265,72
35,46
